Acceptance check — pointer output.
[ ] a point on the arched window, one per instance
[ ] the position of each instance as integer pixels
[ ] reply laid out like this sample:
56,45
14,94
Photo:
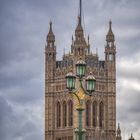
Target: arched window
101,114
58,114
94,114
88,113
64,114
70,113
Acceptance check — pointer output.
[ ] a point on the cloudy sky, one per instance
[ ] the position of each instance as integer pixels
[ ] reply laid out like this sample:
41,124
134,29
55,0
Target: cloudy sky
23,28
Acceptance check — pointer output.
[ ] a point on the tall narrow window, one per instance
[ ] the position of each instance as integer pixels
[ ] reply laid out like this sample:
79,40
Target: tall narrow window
58,114
70,113
64,114
88,113
94,114
101,114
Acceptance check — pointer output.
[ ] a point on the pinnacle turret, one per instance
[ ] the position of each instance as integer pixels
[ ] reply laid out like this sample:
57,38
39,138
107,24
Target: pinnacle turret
50,46
118,136
110,36
50,37
79,45
79,30
118,130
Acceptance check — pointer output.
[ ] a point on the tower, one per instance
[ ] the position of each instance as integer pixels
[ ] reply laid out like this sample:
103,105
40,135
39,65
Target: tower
50,66
50,54
110,67
99,117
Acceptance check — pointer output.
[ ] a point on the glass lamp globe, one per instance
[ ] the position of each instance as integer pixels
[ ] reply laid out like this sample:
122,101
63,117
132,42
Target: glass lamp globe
80,68
70,81
90,83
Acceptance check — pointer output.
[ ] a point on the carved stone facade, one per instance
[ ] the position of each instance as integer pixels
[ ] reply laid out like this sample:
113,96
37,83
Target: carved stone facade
99,117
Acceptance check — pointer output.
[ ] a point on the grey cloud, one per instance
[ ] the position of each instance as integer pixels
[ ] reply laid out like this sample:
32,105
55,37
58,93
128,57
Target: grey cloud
129,69
128,112
15,126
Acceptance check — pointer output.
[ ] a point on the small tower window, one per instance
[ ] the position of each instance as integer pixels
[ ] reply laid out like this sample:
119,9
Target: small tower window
110,57
50,55
110,44
78,51
51,44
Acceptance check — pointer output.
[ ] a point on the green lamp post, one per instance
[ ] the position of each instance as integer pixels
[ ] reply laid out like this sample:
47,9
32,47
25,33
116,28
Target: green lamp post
80,92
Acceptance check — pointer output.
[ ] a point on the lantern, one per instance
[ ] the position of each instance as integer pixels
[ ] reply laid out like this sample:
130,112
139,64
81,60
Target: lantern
80,68
70,80
90,83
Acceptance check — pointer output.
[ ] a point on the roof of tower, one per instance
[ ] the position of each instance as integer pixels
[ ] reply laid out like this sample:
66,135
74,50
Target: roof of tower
50,36
110,35
131,138
79,28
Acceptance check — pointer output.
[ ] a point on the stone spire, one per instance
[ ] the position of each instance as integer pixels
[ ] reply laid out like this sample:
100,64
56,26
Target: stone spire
80,15
79,45
79,29
110,36
131,138
50,37
79,35
118,130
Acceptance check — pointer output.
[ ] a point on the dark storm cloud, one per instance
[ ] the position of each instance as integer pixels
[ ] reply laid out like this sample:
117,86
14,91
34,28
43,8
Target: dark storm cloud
23,29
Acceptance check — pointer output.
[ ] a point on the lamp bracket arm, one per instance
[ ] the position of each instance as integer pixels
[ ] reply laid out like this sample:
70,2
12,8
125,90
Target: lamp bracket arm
77,97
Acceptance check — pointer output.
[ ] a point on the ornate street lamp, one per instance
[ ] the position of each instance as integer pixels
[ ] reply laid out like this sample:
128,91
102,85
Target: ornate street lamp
80,92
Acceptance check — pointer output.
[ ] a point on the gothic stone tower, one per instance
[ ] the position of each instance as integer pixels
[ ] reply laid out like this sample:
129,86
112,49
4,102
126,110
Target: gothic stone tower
99,117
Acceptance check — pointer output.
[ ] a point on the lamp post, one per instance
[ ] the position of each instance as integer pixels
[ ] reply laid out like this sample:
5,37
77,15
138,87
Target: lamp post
80,92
